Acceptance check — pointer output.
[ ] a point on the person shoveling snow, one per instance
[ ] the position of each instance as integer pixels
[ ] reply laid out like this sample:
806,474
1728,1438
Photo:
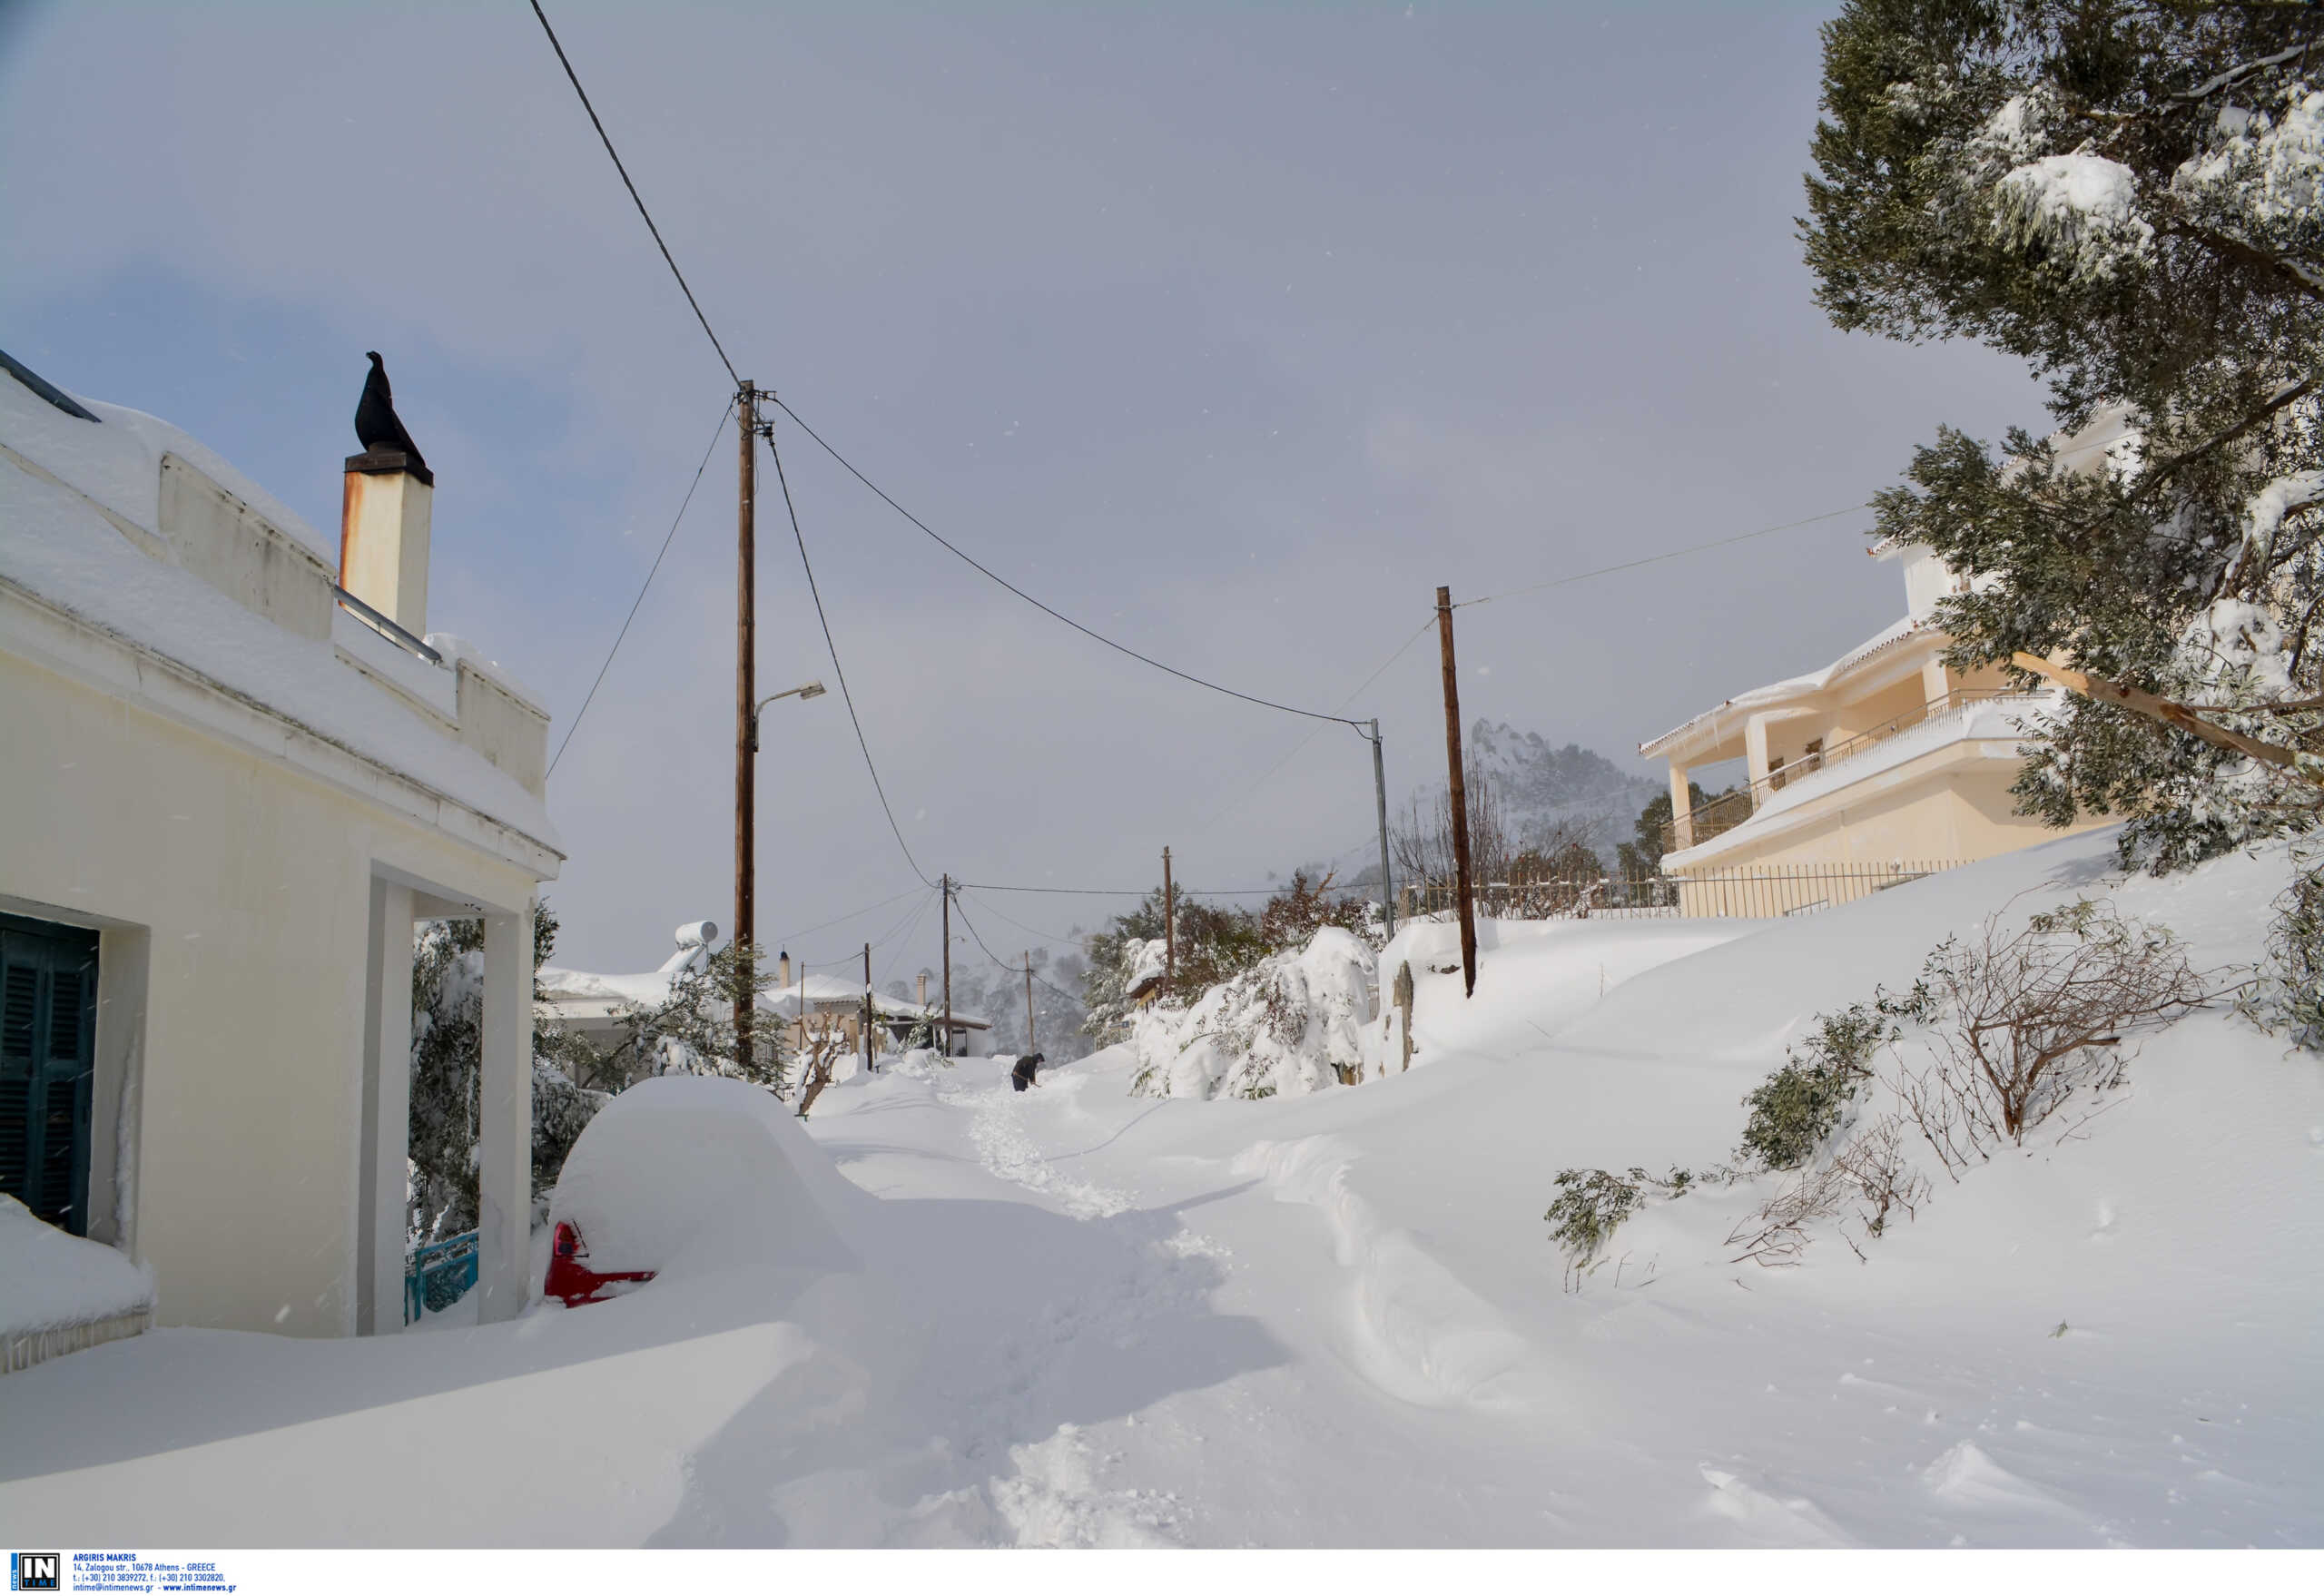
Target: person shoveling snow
1027,1069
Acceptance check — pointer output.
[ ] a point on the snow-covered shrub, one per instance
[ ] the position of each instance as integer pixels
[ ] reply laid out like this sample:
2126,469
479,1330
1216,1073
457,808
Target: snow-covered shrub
1591,1205
1294,1022
1874,1163
2030,1019
1795,1109
2288,997
1870,1169
1214,944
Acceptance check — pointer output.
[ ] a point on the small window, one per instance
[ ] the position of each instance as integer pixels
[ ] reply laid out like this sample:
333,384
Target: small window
48,1027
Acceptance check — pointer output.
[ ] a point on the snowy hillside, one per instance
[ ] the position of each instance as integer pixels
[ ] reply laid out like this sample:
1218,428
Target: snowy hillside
1074,1316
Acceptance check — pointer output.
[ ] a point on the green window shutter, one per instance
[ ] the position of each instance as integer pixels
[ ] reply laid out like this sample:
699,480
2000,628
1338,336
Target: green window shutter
48,1033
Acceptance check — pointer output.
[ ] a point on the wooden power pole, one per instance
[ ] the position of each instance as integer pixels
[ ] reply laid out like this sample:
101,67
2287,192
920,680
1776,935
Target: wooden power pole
948,968
746,407
1459,794
1029,1001
867,1009
1169,928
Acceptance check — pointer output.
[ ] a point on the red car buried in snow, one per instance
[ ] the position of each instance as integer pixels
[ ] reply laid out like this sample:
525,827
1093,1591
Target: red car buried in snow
571,1280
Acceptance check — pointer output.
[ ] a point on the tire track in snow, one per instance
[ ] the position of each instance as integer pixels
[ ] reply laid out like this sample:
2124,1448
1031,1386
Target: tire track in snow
1057,1497
1003,1147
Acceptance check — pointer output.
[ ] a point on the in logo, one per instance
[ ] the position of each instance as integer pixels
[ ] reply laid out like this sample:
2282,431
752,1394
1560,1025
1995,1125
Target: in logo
35,1571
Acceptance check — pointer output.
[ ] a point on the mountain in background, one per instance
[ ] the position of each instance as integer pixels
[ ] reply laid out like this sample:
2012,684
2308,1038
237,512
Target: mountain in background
1547,796
1550,794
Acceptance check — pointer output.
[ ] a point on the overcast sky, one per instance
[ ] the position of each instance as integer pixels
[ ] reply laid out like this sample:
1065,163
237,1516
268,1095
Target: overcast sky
1230,330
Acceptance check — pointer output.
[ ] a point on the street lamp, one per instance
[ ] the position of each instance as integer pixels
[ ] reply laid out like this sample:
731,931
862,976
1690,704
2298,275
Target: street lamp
810,690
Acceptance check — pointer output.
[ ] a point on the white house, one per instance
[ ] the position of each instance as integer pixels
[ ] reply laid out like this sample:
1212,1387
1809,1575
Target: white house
230,788
593,1006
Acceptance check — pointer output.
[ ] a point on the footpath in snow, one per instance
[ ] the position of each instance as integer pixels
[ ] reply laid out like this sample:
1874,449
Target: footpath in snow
1078,1316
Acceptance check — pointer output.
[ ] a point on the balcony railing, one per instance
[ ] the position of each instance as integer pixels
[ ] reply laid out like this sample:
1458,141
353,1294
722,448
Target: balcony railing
1729,810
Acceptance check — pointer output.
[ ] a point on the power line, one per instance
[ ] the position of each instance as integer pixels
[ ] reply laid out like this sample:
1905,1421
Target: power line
1031,930
1204,828
987,571
997,959
842,920
1024,968
640,599
903,926
607,139
917,914
837,669
1654,559
1046,937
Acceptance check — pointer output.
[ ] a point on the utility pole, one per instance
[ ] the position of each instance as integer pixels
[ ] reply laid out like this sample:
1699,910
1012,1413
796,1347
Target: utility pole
1380,797
1169,928
948,969
1460,794
746,409
867,1009
1029,1000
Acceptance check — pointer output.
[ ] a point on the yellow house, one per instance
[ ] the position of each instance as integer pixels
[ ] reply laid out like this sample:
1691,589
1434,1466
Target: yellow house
235,769
1886,761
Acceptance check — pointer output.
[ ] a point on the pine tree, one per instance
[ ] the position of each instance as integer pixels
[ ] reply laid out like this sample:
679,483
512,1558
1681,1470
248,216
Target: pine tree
692,1031
447,1016
2127,196
1642,855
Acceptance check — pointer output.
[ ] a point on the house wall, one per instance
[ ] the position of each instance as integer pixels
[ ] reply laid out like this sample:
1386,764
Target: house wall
1952,804
1877,709
244,888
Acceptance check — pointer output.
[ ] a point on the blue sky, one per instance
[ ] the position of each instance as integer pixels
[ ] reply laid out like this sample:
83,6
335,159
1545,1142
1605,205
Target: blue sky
1234,330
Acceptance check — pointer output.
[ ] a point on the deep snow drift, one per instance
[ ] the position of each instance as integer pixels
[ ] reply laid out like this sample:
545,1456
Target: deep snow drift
1074,1316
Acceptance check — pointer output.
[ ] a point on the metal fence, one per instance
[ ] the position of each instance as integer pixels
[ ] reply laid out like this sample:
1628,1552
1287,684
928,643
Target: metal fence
1764,891
438,1275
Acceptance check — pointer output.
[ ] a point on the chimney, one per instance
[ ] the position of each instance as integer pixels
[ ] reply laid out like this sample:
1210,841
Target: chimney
783,970
923,988
383,534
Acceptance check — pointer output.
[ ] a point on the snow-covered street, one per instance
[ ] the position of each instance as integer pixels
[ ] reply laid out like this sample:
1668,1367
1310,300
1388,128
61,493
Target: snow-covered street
1077,1316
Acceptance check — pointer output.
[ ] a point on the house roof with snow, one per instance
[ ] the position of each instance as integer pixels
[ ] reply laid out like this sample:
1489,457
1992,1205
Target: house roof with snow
1718,722
822,993
573,995
127,529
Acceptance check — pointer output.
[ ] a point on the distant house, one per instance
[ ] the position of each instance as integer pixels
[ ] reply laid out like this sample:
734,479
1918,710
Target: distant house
820,1000
1886,756
593,1007
238,769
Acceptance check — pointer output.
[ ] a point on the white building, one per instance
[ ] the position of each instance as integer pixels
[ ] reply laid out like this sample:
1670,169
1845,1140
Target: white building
228,795
593,1007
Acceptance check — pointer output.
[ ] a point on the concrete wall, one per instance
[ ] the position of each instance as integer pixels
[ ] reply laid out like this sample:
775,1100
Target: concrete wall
244,890
236,550
504,728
